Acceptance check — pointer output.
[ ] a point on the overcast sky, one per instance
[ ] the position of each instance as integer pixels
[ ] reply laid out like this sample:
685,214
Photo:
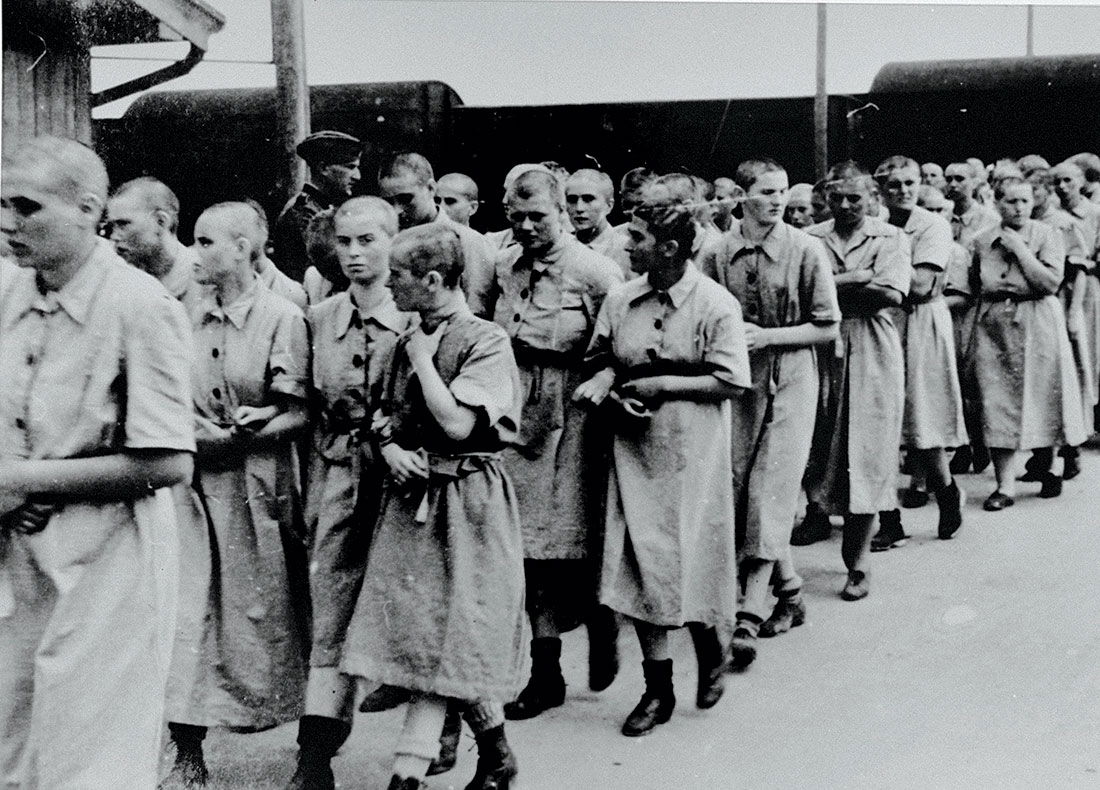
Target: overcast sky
559,52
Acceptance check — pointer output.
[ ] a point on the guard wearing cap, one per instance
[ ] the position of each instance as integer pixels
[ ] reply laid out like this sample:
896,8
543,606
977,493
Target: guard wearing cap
333,159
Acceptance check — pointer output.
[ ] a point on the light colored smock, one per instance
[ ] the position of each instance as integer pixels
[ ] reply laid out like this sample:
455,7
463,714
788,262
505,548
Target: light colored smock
933,397
611,243
480,256
345,479
88,605
280,284
670,554
785,280
1087,217
318,288
240,657
548,307
1023,362
864,397
441,609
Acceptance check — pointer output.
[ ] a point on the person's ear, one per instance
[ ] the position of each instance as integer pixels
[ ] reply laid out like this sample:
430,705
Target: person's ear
433,280
474,205
92,206
162,218
668,248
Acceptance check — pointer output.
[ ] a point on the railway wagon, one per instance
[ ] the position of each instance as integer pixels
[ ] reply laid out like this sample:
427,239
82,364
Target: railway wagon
219,144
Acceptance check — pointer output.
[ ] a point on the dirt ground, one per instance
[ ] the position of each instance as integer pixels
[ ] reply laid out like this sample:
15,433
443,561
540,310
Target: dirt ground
974,663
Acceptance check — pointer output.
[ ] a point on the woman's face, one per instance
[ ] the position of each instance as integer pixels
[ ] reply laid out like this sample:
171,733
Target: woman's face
363,247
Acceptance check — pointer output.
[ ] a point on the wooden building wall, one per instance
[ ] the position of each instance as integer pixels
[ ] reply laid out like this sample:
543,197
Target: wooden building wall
47,72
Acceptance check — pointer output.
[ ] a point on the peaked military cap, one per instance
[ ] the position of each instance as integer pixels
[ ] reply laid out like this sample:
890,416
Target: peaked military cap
329,146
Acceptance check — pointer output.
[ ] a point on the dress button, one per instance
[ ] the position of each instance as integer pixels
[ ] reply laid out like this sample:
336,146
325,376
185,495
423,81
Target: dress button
30,359
357,361
217,393
215,353
658,324
651,352
524,294
516,317
750,278
20,423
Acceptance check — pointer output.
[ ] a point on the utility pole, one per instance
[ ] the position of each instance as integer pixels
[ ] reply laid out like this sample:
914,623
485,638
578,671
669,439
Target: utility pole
291,92
821,102
1030,30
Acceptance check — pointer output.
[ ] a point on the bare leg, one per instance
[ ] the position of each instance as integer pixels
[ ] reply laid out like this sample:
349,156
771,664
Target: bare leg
1004,469
419,741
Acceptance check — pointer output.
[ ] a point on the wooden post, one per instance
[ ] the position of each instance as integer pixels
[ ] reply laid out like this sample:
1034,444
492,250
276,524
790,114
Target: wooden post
821,102
1030,30
291,93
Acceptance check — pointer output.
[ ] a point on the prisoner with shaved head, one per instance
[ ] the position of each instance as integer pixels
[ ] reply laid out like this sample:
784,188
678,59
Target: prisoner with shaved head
457,195
589,198
800,208
407,182
96,425
548,290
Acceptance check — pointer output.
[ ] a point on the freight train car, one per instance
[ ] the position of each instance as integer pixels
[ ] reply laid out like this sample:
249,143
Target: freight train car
214,145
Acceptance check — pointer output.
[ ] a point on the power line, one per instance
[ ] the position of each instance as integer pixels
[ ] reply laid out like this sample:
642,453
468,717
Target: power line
173,60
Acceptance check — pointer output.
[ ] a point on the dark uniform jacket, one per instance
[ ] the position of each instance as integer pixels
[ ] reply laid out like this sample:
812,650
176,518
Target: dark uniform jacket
290,231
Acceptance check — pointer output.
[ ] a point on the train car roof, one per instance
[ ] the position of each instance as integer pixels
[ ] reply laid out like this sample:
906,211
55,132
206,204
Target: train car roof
261,101
1062,72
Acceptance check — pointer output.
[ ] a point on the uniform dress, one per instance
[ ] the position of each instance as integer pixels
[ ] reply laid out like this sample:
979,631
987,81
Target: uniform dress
281,285
88,605
1087,217
441,608
345,477
480,258
1024,365
669,550
548,307
933,398
864,398
289,236
611,243
1084,345
240,657
785,280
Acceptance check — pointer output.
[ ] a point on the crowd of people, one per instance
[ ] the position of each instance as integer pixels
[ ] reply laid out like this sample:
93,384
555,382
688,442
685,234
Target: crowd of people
373,457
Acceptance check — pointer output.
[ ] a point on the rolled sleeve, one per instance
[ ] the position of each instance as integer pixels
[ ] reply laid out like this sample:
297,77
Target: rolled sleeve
818,286
488,378
893,264
932,247
289,360
158,356
726,349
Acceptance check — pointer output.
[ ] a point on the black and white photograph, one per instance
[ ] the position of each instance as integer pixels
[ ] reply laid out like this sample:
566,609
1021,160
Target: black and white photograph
549,395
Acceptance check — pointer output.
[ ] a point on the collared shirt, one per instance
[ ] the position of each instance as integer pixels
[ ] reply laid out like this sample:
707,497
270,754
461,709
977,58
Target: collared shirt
783,280
345,339
551,303
246,350
612,244
98,366
279,284
965,226
290,231
696,321
999,270
876,245
481,257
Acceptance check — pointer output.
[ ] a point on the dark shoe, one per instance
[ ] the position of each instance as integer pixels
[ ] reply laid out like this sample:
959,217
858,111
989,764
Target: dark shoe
603,649
1052,487
1072,464
408,783
384,698
1038,466
742,650
960,462
319,738
712,665
980,460
890,534
546,688
496,762
189,771
656,704
998,501
914,497
448,742
789,613
856,587
814,527
951,500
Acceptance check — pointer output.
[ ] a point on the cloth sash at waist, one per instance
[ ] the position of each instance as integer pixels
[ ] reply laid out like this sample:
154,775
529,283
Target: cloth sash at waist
443,470
529,356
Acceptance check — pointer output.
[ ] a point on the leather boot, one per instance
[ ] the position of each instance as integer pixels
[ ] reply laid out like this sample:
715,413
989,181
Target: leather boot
950,500
658,701
546,688
1038,465
189,771
743,643
712,665
814,527
789,612
408,783
448,741
319,738
496,762
603,648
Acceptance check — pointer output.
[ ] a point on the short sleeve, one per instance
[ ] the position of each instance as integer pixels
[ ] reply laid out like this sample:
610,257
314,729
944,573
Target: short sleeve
488,380
725,348
604,276
289,362
600,355
932,246
1051,250
819,301
708,261
892,266
157,367
1077,256
957,278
